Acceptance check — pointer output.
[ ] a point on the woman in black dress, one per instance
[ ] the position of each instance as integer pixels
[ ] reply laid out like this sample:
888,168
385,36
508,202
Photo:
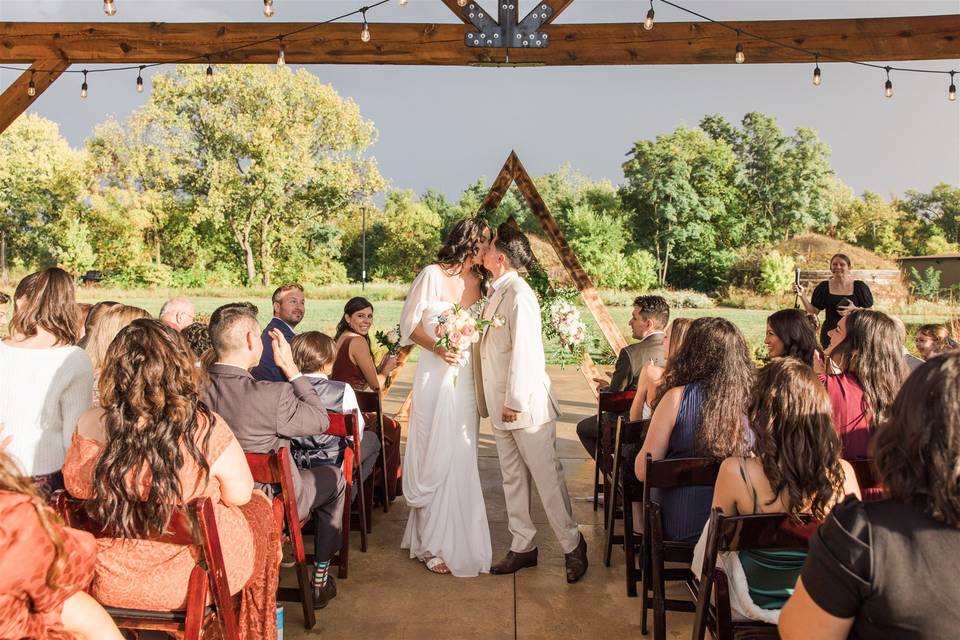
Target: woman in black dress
838,295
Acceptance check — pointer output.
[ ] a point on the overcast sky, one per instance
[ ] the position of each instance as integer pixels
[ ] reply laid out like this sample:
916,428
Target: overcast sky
444,126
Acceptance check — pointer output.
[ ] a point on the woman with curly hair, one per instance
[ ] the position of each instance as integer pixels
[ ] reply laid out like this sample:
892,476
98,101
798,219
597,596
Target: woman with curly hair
447,527
888,569
869,369
44,568
149,449
796,470
790,334
700,411
932,340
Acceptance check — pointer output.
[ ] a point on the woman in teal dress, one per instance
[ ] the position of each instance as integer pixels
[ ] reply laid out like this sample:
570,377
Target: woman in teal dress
796,470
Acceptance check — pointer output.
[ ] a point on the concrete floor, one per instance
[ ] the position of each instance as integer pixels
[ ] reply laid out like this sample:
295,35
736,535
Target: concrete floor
390,596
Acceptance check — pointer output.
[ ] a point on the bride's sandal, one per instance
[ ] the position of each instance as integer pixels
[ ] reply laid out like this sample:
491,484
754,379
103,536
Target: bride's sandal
436,565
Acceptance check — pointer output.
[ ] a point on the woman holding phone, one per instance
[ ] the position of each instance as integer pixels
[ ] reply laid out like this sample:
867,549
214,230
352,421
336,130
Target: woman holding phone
838,295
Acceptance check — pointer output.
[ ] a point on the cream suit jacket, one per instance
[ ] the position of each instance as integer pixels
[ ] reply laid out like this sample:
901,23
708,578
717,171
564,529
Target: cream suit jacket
509,362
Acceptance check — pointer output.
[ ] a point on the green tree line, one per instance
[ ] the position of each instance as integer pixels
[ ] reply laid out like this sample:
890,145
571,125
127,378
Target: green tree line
261,175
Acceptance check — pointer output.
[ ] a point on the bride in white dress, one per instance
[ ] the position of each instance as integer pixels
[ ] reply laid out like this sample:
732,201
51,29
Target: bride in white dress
447,528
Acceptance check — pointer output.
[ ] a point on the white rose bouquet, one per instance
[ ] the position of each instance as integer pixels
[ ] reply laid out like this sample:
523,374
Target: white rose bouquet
566,323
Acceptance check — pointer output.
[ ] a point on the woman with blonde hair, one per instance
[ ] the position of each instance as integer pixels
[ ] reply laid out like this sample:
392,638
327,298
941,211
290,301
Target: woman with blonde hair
649,380
102,333
45,379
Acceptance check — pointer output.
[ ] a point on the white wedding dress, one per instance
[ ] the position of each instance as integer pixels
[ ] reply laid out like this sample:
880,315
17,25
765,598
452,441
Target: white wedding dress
441,481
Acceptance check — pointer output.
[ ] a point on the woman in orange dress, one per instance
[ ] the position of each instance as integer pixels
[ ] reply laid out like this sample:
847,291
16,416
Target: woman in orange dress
354,365
44,568
151,447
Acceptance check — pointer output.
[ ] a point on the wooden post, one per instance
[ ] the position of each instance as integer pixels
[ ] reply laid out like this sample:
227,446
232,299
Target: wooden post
15,99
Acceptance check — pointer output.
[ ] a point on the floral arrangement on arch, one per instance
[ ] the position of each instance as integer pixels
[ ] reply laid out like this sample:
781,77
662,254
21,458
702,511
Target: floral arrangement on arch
561,316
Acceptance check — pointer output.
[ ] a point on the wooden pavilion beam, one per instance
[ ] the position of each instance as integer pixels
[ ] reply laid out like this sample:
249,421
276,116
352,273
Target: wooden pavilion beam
461,12
864,39
15,99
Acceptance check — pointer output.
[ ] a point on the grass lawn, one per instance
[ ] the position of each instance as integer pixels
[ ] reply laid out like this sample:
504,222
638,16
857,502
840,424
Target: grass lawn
323,315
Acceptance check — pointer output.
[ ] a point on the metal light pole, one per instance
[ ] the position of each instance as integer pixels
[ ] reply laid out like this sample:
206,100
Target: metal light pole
363,258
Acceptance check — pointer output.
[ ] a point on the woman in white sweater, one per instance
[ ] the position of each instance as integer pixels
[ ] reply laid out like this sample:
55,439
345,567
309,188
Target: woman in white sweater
46,381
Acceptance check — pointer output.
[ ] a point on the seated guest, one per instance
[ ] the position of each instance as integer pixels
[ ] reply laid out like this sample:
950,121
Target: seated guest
92,317
700,411
796,470
83,309
46,381
149,449
650,376
932,340
888,569
354,365
177,313
866,351
313,353
266,415
44,568
102,333
912,361
789,333
650,316
288,310
198,337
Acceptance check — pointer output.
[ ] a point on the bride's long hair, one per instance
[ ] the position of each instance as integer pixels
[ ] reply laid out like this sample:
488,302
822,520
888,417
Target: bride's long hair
462,244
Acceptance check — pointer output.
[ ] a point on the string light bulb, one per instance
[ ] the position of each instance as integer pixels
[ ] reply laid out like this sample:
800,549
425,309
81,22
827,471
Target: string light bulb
403,3
365,32
952,90
268,8
109,7
32,87
282,55
462,3
140,80
648,23
209,70
83,87
817,79
740,57
888,85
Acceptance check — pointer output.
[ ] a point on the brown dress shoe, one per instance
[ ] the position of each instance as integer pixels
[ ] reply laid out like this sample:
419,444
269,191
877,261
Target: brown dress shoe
576,561
513,562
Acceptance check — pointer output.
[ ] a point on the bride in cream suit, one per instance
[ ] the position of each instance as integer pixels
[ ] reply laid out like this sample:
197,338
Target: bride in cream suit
513,389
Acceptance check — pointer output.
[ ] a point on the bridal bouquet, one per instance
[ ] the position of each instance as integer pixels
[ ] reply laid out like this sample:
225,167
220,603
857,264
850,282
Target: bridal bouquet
566,323
457,329
391,341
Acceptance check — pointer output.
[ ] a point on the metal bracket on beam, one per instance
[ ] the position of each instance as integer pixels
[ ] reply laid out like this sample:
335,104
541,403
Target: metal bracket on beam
508,31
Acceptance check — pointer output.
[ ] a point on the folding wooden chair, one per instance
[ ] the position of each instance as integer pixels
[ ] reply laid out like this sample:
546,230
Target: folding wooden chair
628,433
767,531
194,526
608,402
371,402
277,468
668,474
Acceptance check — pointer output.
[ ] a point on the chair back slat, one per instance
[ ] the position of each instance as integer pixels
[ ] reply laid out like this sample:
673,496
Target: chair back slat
215,564
74,512
681,472
633,432
369,402
616,401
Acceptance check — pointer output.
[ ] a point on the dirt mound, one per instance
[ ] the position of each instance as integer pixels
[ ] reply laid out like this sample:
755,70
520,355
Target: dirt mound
813,251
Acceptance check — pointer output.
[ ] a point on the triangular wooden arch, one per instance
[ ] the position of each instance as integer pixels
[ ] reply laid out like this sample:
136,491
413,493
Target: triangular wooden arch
513,172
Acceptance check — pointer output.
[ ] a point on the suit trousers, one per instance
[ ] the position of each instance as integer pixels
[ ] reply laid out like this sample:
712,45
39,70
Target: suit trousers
322,493
527,454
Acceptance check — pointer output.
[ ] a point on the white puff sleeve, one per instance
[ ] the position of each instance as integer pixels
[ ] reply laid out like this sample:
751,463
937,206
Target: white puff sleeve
424,291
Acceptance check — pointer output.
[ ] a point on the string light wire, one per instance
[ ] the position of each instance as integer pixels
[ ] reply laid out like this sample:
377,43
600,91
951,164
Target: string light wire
362,11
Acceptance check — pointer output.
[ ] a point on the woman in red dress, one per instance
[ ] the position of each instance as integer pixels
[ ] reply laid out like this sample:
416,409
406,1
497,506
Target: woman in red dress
354,365
44,568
